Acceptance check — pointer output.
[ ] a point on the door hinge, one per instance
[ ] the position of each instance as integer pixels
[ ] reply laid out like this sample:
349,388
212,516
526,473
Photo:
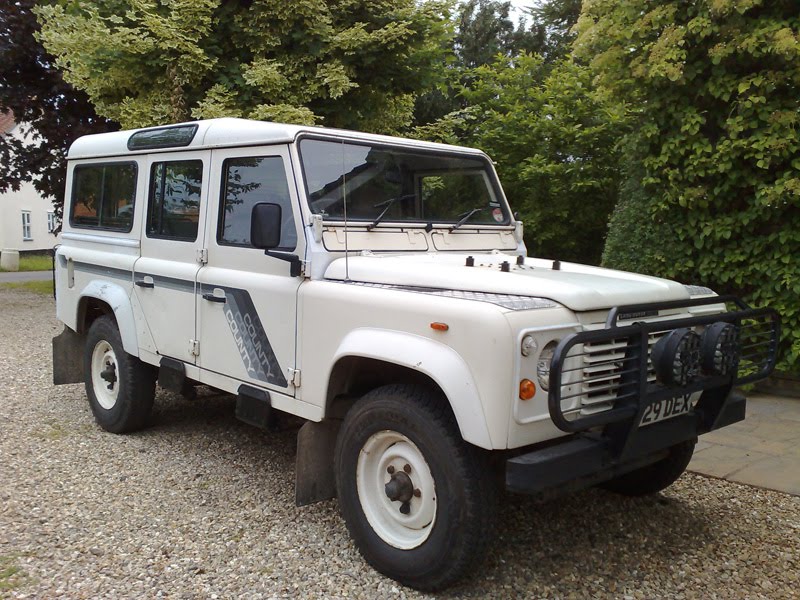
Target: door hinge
294,377
202,255
194,347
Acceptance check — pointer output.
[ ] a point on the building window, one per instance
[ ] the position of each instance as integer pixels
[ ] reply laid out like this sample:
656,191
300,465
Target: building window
26,225
52,222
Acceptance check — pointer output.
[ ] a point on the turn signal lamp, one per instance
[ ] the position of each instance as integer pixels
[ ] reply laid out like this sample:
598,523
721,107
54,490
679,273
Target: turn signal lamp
526,389
440,326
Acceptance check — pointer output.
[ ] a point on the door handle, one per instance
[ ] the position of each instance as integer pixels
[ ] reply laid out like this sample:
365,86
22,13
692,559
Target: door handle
145,284
213,298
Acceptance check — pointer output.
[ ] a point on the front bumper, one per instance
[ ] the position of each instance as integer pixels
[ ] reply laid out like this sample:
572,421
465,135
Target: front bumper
588,458
602,383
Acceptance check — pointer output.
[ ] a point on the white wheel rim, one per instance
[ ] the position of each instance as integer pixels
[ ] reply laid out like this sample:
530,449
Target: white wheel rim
387,455
105,361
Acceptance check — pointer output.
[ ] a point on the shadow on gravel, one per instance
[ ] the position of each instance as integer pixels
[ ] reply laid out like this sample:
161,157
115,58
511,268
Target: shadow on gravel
589,536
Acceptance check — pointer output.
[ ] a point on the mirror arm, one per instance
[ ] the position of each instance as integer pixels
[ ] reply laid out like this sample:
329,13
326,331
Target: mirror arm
295,264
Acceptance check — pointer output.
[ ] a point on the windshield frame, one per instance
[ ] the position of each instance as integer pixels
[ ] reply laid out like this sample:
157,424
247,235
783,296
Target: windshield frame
488,173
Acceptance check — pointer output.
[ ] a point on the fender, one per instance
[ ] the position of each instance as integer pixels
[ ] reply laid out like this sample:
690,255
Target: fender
436,360
117,298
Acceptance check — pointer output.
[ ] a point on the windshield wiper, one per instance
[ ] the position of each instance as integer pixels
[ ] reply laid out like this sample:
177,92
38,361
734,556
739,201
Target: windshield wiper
467,216
388,204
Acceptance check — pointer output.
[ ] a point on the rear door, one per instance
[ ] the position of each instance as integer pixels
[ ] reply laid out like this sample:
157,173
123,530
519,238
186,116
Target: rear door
174,225
247,301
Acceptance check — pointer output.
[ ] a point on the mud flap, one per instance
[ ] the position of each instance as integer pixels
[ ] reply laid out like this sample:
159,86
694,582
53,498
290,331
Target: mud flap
314,477
68,357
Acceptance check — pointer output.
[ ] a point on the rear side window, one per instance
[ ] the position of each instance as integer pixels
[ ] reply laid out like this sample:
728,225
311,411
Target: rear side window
174,208
103,196
248,181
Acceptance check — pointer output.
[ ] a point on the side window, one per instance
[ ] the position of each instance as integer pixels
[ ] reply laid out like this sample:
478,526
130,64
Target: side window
173,210
246,182
103,196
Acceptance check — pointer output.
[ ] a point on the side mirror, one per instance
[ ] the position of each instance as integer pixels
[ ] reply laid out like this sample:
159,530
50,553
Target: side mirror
265,225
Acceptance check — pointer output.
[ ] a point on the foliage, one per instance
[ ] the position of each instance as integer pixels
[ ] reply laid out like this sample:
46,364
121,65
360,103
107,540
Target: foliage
715,84
554,19
631,243
344,63
554,145
53,113
484,30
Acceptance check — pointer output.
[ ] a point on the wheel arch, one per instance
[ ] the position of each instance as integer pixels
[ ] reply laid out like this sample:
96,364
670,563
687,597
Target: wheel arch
100,298
368,358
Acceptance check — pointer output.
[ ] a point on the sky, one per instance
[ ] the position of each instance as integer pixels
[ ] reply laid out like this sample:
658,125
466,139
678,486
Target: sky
517,5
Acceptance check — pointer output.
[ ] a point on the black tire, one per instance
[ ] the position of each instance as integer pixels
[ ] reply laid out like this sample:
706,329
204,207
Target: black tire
134,380
465,496
656,477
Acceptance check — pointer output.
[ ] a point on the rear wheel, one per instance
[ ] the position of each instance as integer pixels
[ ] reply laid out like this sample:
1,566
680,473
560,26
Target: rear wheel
656,477
418,501
120,387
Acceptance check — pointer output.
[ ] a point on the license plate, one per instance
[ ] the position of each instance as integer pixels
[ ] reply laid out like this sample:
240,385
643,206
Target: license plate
665,409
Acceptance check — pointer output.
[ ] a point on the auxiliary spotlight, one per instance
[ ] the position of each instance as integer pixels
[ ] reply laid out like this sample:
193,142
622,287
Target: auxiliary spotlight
720,349
676,357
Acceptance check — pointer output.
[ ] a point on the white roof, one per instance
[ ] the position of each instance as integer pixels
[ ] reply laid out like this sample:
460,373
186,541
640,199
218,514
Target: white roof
219,133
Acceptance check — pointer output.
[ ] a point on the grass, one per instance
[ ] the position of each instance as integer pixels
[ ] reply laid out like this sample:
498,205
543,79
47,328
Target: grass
10,574
37,287
34,262
54,431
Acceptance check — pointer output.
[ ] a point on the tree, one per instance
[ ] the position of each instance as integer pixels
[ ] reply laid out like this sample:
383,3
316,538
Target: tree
52,111
554,143
483,30
716,86
555,20
344,63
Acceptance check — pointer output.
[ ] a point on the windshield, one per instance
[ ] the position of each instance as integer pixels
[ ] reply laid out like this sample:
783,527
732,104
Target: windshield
391,184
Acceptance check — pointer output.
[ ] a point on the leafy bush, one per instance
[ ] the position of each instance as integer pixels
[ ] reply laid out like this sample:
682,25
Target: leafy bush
715,90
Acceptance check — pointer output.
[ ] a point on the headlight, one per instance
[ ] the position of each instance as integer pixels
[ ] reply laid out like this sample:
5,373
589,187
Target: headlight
543,364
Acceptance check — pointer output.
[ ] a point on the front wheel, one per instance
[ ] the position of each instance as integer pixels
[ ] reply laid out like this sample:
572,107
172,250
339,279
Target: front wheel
418,501
656,477
120,387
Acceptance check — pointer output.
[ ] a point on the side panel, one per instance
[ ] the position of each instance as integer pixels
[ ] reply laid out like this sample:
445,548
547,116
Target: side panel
91,257
247,301
472,361
436,360
172,235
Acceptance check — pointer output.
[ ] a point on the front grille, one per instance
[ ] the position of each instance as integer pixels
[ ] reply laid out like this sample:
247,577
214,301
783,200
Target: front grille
601,370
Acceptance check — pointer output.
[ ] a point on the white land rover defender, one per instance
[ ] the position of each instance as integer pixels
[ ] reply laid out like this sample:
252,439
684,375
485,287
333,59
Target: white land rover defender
379,288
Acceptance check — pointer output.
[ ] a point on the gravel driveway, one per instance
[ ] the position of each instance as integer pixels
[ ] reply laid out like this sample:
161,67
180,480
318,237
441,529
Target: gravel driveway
201,506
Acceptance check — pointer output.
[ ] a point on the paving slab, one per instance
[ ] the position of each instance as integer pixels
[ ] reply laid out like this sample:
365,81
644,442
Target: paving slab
763,450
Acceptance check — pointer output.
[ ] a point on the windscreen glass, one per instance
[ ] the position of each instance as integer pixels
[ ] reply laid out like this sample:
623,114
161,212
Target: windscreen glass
390,184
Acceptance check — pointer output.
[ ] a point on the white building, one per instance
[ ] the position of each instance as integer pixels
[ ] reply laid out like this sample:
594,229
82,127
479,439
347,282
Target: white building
26,219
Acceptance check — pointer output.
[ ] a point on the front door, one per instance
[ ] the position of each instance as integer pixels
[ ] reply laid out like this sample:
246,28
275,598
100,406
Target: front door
247,301
165,276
